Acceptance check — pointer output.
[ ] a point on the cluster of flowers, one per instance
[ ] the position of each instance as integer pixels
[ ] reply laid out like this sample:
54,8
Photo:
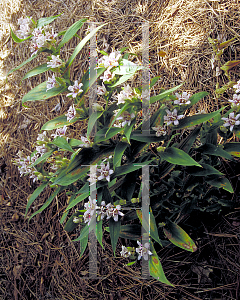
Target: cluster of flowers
109,211
104,173
143,251
233,120
41,37
24,165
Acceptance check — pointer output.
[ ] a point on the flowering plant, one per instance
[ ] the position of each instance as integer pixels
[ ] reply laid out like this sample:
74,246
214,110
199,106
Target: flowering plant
111,161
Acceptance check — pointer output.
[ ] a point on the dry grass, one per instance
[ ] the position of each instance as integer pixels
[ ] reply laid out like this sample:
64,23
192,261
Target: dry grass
38,260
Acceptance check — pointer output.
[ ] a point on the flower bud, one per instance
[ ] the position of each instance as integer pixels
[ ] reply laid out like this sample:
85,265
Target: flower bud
160,149
135,200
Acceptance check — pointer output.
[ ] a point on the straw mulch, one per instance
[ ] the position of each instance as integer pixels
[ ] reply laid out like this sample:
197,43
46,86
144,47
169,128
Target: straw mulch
38,259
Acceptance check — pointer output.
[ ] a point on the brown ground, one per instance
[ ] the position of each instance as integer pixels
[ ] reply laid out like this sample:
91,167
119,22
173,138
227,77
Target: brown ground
39,260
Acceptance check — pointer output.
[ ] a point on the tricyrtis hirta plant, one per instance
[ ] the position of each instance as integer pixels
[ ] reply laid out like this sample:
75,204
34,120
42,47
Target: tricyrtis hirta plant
180,151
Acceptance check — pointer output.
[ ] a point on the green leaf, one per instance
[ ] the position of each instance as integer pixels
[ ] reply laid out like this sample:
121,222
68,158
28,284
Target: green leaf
99,233
42,158
85,231
70,225
88,83
179,237
22,64
45,21
38,70
163,95
62,143
127,67
92,120
58,122
48,202
229,65
40,93
34,195
214,150
118,153
153,226
67,178
178,157
71,32
106,134
122,79
221,182
197,119
130,231
17,39
138,136
232,148
131,263
128,131
114,228
81,45
196,97
77,200
83,245
125,169
204,171
155,267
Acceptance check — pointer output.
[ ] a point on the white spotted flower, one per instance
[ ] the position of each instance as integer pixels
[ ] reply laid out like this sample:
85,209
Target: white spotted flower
113,211
75,89
71,113
105,172
160,130
237,87
231,121
143,251
60,132
182,99
236,100
172,117
125,252
51,83
55,62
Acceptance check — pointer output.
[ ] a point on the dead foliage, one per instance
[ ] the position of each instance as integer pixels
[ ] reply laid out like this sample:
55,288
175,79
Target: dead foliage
38,259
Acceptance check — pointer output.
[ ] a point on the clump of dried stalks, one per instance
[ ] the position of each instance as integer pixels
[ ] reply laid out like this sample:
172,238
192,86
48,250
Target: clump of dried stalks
38,260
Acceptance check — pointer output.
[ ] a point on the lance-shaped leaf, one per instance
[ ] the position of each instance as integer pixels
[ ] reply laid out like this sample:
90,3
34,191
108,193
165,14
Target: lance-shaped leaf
22,64
87,83
232,148
92,120
38,70
153,226
40,93
178,157
214,150
34,195
70,225
138,136
106,134
127,67
62,143
17,39
72,30
179,237
197,119
125,169
118,153
196,97
77,200
83,245
58,122
45,21
99,233
204,171
130,231
155,267
48,202
163,95
42,158
229,65
221,182
81,44
114,228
